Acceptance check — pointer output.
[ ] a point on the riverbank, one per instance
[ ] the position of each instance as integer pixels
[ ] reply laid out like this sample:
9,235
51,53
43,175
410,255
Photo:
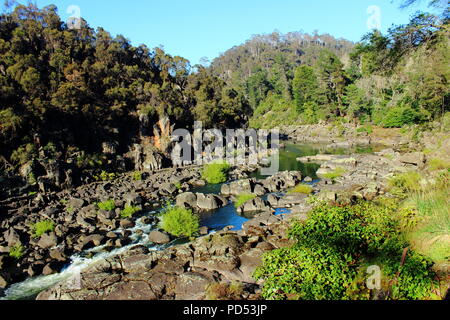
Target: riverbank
214,260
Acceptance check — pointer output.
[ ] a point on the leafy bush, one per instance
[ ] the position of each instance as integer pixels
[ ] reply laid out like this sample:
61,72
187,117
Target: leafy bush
400,116
17,251
42,227
368,129
405,183
335,174
108,205
129,211
24,154
302,188
332,244
180,222
438,164
90,160
105,176
215,173
137,176
243,198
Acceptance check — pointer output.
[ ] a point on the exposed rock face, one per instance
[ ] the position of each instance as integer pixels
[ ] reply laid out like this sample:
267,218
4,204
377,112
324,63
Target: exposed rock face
181,272
146,158
343,136
415,158
79,223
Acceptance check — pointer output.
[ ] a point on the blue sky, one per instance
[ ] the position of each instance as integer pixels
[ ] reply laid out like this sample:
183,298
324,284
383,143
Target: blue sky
198,28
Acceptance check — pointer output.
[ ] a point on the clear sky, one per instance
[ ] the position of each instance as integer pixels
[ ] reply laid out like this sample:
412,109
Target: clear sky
199,28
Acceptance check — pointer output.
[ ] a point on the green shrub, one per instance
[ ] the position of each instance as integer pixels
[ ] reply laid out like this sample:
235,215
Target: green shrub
137,176
105,176
108,205
215,173
129,211
333,244
178,185
180,222
405,183
367,128
335,174
400,116
438,164
302,188
243,198
17,251
41,227
24,154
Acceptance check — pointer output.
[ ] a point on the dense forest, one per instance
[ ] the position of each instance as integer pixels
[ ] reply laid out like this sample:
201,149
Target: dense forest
71,90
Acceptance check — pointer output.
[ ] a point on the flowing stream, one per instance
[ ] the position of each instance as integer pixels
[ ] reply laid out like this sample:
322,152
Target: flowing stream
223,217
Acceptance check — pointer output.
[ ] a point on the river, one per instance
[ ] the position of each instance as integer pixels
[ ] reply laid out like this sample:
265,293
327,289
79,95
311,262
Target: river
223,217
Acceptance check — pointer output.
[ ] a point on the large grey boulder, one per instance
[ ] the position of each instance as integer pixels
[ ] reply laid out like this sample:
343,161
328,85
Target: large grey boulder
11,237
75,203
48,240
414,158
186,200
159,237
254,205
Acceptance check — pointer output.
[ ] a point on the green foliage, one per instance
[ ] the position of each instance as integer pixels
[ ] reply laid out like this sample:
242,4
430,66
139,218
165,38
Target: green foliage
180,222
108,205
215,173
129,211
335,174
302,188
9,122
90,160
41,227
137,176
367,128
243,198
406,183
178,185
400,116
24,154
17,251
106,176
332,244
438,164
304,86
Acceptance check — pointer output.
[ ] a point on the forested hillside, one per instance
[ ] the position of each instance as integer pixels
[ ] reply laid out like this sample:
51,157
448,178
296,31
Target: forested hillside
391,80
71,90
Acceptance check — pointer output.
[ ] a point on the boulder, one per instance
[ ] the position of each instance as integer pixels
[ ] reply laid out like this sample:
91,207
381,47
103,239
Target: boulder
127,224
159,237
254,205
75,203
414,158
186,200
11,237
3,283
48,240
133,199
209,202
